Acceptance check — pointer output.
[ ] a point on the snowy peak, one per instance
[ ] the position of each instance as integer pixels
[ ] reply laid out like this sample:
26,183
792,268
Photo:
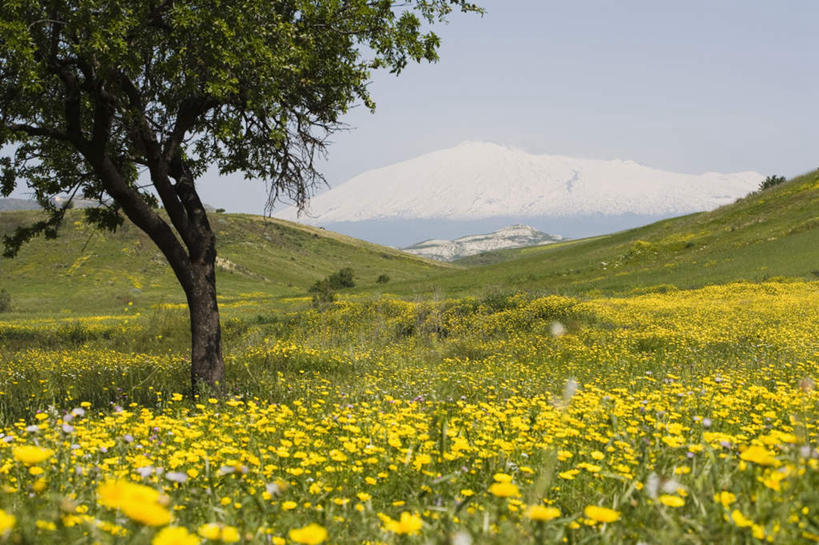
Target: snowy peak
476,180
515,236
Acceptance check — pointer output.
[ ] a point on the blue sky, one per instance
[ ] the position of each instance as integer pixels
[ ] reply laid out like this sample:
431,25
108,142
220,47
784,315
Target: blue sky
690,86
693,86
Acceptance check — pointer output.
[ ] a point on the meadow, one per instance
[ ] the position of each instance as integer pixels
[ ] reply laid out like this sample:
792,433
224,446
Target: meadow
660,416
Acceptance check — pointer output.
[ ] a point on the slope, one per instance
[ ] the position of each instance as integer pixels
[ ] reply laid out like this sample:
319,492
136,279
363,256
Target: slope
88,271
769,233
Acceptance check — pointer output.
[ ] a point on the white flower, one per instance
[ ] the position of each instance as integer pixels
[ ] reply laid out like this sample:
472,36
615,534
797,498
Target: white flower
557,329
569,390
176,476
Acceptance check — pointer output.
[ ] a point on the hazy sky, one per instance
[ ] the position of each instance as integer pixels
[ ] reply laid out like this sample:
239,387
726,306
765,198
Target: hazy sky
691,86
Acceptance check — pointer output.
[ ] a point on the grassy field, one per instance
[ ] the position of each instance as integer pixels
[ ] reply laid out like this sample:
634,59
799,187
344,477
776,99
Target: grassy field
686,416
668,396
86,271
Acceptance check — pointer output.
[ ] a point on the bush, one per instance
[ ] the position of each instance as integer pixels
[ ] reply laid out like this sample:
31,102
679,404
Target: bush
342,279
323,292
5,301
771,181
382,279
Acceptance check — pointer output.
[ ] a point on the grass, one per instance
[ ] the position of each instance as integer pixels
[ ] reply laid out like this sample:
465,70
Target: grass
572,393
767,234
85,271
407,422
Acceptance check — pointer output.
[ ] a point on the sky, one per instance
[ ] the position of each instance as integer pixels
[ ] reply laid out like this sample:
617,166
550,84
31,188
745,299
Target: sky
693,86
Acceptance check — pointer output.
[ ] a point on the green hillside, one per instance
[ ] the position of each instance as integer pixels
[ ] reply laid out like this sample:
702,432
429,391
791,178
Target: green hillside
86,270
767,234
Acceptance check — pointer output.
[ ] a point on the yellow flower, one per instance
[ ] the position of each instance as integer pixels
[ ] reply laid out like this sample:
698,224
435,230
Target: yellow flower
740,520
149,514
725,498
407,524
601,514
139,503
30,455
289,505
230,534
312,534
542,513
39,485
175,535
7,522
671,501
758,455
504,490
211,530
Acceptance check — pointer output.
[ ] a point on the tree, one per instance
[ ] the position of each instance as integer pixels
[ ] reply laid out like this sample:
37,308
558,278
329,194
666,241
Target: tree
94,94
771,181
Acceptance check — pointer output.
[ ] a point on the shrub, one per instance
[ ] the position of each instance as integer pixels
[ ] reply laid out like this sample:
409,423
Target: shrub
5,301
342,279
382,279
771,181
323,292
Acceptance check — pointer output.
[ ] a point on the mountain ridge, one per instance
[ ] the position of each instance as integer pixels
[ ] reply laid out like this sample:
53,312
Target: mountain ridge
482,180
514,236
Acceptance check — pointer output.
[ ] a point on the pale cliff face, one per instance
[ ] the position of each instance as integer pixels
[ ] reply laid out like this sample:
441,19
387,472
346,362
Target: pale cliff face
516,236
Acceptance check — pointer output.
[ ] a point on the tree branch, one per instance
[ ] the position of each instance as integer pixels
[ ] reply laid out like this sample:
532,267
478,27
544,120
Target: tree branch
39,131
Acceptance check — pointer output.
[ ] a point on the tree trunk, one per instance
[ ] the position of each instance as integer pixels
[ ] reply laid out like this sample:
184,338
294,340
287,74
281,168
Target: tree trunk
207,364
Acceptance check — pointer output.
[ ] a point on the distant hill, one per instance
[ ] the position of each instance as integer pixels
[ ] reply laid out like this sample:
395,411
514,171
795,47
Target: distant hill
89,270
767,234
515,236
18,204
10,204
477,187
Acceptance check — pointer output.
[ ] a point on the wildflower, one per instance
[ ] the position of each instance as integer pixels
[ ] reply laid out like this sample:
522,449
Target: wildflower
408,524
176,476
175,535
211,530
504,490
725,498
139,503
30,455
758,455
312,534
740,519
230,534
7,522
601,514
671,501
542,513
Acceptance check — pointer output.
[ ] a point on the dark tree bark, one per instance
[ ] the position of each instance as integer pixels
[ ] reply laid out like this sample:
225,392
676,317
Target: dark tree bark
207,364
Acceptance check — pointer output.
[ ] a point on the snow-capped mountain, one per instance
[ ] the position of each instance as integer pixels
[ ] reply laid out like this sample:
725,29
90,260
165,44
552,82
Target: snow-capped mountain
477,180
516,236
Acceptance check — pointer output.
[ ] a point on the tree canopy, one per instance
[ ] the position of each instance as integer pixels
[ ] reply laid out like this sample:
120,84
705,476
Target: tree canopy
249,86
94,93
